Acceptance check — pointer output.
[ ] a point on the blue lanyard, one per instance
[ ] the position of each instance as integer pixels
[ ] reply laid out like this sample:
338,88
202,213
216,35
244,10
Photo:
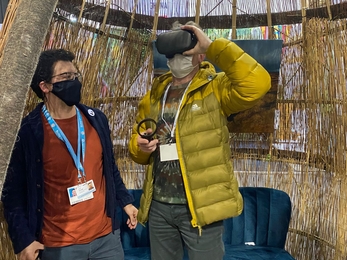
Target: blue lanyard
81,140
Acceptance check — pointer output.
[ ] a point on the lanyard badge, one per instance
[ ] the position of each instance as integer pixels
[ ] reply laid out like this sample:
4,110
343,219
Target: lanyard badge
168,152
81,141
83,190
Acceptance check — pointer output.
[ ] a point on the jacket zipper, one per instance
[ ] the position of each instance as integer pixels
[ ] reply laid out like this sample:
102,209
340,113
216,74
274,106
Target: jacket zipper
194,220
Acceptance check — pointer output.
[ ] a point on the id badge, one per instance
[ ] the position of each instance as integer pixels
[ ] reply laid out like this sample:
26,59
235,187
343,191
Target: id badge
168,152
74,198
85,188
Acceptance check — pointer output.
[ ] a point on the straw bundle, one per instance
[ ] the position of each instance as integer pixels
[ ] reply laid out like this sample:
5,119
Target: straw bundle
305,155
6,251
9,17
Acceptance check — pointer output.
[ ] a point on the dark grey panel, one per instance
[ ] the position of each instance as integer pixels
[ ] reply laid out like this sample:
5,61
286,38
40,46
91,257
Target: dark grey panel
3,6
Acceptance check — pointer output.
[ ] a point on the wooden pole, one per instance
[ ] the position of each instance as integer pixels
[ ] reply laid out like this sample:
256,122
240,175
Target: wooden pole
20,55
197,14
133,15
233,21
303,12
329,9
269,19
153,37
103,25
155,21
81,11
303,44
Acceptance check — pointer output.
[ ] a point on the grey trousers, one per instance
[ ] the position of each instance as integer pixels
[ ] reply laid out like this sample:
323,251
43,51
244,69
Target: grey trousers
108,247
170,230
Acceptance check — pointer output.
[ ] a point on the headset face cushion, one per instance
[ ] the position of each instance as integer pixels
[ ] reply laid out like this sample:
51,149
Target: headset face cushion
175,42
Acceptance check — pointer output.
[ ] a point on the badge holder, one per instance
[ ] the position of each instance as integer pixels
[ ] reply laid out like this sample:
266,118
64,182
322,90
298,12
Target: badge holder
81,192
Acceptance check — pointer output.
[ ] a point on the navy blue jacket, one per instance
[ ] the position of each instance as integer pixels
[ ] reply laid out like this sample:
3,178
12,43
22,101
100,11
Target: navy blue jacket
22,193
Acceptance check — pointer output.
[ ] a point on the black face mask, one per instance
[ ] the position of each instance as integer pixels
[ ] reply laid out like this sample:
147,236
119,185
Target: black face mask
69,91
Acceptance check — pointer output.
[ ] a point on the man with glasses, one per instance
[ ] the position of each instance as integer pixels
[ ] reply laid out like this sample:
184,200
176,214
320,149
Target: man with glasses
64,145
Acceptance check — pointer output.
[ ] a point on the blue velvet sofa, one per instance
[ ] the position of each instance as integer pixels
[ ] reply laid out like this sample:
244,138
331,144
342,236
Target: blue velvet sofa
258,233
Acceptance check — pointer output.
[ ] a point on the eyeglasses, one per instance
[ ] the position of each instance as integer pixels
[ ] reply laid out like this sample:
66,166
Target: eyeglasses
68,75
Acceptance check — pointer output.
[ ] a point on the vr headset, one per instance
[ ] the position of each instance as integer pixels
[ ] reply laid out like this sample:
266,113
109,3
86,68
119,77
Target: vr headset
175,42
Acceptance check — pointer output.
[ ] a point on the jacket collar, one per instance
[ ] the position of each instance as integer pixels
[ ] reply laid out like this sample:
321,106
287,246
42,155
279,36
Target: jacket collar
206,73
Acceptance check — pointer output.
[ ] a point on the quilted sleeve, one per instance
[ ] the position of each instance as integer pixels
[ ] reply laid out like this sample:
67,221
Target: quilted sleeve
135,153
243,80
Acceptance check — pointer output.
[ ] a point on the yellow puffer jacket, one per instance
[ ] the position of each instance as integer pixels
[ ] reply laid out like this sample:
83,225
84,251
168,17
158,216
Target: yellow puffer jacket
202,135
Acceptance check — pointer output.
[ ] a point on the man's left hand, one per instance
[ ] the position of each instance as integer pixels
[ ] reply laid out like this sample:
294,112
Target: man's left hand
132,213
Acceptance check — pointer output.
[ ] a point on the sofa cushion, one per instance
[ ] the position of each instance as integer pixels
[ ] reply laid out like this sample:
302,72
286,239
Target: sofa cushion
255,253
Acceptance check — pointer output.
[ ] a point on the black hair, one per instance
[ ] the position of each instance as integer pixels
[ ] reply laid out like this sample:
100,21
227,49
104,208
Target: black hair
45,65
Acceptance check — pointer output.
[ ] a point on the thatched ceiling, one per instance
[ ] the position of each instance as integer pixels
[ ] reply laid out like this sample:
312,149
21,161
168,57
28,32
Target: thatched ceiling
120,12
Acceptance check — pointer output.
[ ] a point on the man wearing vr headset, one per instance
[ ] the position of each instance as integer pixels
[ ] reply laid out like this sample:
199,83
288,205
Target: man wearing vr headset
190,186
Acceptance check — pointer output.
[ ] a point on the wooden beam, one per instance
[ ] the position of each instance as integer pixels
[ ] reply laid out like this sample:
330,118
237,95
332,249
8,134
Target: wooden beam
122,18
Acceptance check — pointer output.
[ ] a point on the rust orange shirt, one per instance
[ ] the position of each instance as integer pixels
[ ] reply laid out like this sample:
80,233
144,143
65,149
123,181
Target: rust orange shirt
81,223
